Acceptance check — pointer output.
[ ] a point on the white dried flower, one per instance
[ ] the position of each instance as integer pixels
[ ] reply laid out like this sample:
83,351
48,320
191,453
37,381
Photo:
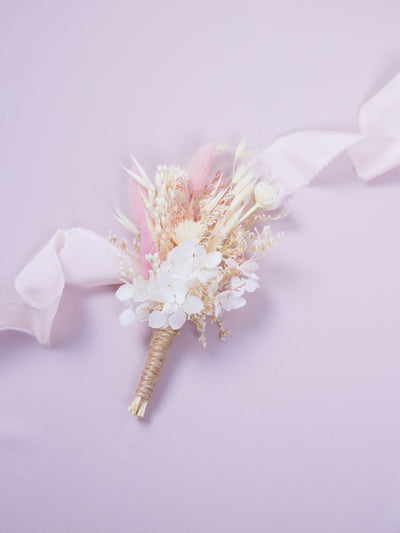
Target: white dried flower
267,196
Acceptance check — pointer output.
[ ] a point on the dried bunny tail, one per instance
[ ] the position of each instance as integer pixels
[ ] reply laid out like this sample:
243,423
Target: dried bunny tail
135,192
147,246
200,166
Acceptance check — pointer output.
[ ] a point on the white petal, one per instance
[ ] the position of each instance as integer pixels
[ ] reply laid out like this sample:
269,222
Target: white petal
249,267
140,294
154,294
157,319
201,253
231,263
167,294
238,302
212,289
188,246
204,275
184,251
165,282
236,282
177,319
127,317
142,284
213,259
142,312
186,267
251,285
238,286
124,292
192,304
226,304
169,308
225,300
180,293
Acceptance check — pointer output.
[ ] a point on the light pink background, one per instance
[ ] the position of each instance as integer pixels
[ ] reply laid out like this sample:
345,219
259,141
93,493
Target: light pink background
292,425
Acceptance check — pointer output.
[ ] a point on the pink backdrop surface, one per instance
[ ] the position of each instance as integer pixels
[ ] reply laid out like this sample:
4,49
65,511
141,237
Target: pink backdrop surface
290,426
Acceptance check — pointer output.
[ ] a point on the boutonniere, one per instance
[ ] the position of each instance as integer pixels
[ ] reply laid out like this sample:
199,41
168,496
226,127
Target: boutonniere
195,234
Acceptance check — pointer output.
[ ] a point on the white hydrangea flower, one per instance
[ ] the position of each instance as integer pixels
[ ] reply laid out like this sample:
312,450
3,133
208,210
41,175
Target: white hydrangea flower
242,285
186,266
124,292
247,268
142,312
172,288
127,317
190,261
246,280
228,300
157,319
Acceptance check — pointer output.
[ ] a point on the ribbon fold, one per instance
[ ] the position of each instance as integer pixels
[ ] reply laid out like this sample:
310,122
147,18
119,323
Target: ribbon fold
77,257
295,159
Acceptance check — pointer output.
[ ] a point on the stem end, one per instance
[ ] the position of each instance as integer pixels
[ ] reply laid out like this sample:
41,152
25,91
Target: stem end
138,407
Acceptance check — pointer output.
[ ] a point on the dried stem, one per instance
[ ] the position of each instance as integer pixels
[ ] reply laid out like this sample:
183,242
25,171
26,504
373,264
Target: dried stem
160,343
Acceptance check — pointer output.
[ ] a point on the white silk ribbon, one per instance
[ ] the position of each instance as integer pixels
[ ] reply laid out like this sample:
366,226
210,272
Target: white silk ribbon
379,122
82,258
295,159
76,256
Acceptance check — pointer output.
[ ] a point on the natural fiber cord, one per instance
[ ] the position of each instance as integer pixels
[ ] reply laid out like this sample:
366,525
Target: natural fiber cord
160,343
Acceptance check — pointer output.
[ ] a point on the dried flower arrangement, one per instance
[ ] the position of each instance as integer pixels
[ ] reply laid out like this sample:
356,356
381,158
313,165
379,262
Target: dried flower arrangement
197,238
197,233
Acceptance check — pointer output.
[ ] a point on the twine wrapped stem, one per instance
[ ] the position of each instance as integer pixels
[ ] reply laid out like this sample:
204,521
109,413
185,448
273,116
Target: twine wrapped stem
160,343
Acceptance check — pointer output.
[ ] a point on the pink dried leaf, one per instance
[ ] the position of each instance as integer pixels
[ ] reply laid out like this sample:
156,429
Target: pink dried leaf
200,166
147,246
135,192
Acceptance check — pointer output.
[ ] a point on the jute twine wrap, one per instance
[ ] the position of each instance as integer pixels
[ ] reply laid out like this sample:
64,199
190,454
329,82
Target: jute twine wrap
160,343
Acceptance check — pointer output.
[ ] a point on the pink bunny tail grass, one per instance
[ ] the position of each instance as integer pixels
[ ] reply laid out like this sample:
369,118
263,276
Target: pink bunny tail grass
147,246
135,192
200,166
